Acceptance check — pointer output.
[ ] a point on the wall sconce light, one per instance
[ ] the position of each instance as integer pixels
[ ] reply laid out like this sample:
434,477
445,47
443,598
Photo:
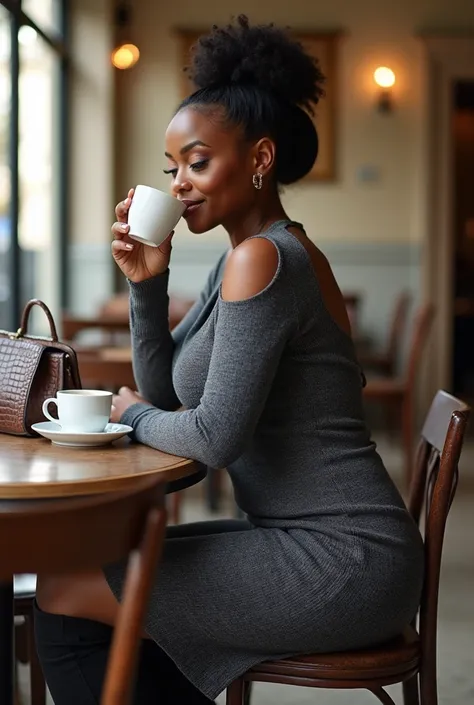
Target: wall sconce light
125,54
385,79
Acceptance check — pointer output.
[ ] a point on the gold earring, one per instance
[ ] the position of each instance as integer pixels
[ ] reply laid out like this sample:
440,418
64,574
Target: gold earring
257,180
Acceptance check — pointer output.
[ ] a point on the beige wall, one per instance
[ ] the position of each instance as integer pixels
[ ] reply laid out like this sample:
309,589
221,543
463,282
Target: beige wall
92,120
392,209
373,233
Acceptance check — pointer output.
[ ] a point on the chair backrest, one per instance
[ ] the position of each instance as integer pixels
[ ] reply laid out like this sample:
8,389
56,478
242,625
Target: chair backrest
432,492
397,328
420,331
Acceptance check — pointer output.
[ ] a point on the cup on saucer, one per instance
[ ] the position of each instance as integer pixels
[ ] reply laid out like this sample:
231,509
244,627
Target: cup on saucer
80,410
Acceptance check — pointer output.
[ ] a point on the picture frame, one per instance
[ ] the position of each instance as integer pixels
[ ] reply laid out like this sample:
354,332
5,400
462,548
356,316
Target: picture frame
322,45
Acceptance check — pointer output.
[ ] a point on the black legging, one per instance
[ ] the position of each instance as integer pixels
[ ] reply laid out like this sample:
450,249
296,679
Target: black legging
73,654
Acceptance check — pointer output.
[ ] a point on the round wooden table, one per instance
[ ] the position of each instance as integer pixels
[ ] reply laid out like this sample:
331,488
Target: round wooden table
34,469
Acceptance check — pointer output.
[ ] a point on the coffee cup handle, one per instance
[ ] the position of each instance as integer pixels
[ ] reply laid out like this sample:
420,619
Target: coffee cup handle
46,413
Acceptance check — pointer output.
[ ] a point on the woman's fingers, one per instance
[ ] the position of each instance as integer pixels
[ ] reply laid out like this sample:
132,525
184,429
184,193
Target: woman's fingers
121,210
120,230
165,247
120,246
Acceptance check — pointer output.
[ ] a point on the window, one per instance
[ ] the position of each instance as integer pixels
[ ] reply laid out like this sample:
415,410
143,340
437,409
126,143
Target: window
32,160
45,13
5,182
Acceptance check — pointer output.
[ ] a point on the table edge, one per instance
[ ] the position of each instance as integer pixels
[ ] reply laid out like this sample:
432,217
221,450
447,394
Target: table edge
72,488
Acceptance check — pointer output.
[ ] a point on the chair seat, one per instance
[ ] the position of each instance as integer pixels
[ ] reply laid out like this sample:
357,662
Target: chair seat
394,658
383,387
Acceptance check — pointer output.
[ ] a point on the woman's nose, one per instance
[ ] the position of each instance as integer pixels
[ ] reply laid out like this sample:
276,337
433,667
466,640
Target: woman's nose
181,186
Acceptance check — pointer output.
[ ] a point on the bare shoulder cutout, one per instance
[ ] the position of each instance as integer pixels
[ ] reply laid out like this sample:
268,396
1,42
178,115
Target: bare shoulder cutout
249,269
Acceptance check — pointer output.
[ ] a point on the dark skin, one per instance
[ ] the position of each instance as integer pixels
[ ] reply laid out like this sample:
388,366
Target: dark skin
216,171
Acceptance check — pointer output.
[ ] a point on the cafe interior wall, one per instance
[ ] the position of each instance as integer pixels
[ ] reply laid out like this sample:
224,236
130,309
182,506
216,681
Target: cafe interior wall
371,219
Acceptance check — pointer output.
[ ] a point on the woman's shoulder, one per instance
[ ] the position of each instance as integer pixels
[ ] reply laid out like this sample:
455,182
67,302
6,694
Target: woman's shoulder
249,269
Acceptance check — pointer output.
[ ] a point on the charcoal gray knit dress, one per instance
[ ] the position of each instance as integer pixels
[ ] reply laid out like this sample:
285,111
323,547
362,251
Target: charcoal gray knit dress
329,558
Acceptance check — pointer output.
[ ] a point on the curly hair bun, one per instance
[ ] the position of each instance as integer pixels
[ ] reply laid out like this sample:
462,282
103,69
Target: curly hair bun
263,56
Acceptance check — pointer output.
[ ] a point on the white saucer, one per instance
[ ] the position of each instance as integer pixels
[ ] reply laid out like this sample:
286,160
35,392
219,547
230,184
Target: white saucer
113,431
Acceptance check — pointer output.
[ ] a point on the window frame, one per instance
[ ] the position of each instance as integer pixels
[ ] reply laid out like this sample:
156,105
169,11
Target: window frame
59,43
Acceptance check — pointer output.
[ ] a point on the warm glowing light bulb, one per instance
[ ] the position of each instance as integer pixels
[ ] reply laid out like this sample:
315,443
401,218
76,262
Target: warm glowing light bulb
384,77
27,36
125,56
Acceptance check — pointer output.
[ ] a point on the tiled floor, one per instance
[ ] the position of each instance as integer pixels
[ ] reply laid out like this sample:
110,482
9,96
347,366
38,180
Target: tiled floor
456,625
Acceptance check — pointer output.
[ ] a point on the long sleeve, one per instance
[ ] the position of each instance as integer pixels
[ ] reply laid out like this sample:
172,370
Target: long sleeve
153,345
249,340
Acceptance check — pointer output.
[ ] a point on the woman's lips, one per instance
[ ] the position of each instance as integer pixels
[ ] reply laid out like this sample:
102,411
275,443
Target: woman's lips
191,207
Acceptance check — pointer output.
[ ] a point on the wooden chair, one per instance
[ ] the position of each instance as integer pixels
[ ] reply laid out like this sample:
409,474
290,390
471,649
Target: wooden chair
386,361
399,393
352,300
410,658
25,648
75,534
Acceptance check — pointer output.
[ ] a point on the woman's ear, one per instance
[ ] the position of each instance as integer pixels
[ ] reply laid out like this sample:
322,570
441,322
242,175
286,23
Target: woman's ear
264,155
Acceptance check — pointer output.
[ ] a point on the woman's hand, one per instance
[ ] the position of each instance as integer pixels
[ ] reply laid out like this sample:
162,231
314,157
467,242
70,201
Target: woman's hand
121,402
138,262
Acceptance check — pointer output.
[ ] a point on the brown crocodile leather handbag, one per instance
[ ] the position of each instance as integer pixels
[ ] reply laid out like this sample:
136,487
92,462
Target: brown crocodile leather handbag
31,370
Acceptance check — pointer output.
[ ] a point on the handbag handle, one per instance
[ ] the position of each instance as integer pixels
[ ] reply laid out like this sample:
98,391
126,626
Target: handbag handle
22,330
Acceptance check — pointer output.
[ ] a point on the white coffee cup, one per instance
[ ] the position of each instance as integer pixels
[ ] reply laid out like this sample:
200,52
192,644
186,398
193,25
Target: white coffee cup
153,215
81,410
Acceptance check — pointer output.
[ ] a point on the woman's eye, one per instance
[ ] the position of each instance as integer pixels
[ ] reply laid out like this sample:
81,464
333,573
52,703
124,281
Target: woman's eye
199,166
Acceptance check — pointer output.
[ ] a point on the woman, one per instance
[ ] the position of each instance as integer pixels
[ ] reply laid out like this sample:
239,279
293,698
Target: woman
265,367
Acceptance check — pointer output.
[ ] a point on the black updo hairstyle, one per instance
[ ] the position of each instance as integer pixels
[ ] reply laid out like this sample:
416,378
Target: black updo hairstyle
267,84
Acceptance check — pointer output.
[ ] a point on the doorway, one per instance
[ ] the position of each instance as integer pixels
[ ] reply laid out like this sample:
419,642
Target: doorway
450,74
462,126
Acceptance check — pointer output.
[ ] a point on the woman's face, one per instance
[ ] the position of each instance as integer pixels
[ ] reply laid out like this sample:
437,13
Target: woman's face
211,167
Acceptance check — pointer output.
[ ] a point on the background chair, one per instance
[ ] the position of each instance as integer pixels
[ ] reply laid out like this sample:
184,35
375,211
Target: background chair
410,658
386,361
399,393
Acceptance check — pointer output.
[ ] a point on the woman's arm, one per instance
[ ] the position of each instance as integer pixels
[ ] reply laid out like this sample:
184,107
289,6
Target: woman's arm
256,318
153,344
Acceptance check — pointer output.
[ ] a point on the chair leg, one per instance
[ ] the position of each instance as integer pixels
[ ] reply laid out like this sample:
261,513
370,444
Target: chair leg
392,422
410,691
18,699
37,682
142,565
21,641
382,695
175,499
429,687
213,489
236,693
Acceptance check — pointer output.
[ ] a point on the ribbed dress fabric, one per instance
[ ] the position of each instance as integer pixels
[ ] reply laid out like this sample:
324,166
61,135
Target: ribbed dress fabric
329,557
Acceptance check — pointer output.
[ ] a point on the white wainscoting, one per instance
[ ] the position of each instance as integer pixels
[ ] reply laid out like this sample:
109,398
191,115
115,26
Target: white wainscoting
379,271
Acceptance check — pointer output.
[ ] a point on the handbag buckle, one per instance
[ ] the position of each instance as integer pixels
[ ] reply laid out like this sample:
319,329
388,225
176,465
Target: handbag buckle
17,335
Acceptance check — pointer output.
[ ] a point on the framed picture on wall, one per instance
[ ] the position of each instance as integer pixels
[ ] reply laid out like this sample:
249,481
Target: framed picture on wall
324,46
